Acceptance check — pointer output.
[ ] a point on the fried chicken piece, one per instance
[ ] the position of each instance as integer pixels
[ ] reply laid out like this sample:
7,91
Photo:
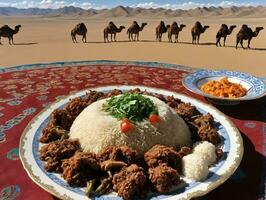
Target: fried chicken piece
173,102
93,96
203,120
184,151
80,168
207,133
129,181
51,133
159,154
119,153
114,92
135,90
186,110
163,177
61,118
205,129
54,152
75,106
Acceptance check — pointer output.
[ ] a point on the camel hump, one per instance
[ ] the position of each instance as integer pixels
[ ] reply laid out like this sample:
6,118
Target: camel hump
161,23
174,24
81,26
135,23
224,26
5,27
244,26
198,24
111,23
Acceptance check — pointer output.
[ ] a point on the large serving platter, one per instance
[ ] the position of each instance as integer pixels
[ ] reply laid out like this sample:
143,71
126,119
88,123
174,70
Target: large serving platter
231,144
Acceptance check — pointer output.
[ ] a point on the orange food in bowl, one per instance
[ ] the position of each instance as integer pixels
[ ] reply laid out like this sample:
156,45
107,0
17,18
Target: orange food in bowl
224,88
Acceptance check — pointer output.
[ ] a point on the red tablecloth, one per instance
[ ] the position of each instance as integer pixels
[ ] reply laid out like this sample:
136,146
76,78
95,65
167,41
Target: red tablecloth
26,90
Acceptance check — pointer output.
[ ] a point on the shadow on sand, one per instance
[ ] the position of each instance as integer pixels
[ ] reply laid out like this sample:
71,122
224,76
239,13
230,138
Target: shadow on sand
26,43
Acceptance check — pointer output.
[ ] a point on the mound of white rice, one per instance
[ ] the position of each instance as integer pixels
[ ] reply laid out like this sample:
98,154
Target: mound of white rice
195,167
96,129
206,150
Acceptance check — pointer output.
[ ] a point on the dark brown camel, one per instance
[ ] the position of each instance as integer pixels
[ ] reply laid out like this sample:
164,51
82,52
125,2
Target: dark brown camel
160,30
111,29
6,31
135,29
174,30
196,31
246,33
79,29
223,32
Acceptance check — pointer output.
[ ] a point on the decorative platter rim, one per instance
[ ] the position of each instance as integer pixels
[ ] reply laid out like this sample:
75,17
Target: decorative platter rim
232,161
191,79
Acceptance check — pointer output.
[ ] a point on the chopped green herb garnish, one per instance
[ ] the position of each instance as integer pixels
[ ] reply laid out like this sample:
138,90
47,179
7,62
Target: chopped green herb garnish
135,107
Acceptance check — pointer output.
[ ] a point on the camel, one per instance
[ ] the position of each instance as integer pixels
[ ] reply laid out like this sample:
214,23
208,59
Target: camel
224,31
160,30
135,29
79,29
111,29
246,33
6,31
174,30
196,31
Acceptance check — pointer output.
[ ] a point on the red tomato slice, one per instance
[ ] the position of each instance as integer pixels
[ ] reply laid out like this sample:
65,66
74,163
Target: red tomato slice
125,125
154,118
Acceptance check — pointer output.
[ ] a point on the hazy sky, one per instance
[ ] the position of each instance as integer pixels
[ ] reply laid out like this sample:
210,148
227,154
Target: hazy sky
173,4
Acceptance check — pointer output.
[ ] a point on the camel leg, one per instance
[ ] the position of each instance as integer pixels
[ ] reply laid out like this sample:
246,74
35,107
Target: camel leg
249,43
217,41
74,39
176,38
193,38
111,37
84,38
132,37
241,42
198,39
224,40
138,36
9,39
115,37
12,40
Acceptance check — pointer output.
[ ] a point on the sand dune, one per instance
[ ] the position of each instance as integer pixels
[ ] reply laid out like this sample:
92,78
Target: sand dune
121,11
47,39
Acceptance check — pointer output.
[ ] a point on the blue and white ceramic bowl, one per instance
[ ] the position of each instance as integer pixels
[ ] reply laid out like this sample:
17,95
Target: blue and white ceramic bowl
256,87
232,147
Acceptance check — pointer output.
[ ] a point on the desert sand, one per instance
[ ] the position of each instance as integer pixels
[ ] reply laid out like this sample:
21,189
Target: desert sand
47,39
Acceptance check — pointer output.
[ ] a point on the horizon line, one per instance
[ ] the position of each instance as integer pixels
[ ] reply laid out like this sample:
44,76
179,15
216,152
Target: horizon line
50,4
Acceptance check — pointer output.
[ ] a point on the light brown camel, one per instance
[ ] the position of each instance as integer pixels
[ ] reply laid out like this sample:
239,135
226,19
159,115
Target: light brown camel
135,29
174,30
246,33
196,31
79,29
160,30
6,31
111,29
223,32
